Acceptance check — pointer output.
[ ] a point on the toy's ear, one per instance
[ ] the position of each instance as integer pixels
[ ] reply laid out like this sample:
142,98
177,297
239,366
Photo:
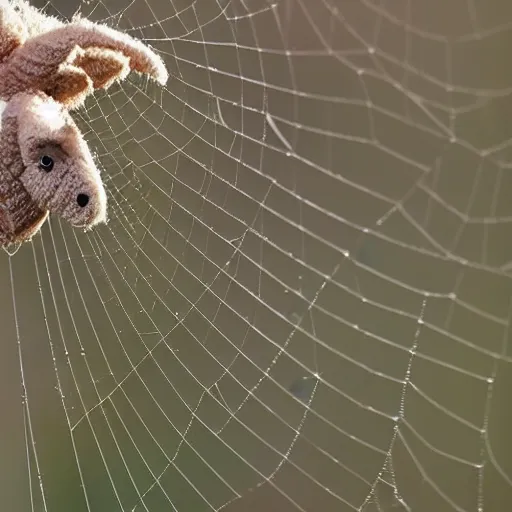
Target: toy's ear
71,86
89,69
103,66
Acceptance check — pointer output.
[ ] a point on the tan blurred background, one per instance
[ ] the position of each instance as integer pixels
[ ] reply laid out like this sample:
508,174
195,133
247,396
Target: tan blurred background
301,301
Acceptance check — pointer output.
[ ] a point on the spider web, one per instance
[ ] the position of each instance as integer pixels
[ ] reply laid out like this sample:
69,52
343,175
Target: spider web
302,298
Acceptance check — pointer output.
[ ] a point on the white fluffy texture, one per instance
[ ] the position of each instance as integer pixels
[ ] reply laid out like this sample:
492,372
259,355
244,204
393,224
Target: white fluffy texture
51,113
35,20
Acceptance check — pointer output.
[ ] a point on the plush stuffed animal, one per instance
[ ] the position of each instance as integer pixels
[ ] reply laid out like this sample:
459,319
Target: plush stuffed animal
47,68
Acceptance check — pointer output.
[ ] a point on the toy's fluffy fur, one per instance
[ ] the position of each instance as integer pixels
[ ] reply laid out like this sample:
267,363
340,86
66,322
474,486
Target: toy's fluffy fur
47,68
66,60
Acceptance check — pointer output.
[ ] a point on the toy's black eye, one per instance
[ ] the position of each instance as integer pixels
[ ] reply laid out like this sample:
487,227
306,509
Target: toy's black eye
46,163
82,200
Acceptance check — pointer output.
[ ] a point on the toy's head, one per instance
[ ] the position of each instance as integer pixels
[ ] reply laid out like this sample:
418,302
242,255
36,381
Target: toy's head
59,172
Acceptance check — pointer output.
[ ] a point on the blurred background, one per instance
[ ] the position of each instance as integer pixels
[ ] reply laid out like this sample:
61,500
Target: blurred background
302,298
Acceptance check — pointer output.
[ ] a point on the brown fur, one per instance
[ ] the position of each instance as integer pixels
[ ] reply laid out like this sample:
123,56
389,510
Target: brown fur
48,67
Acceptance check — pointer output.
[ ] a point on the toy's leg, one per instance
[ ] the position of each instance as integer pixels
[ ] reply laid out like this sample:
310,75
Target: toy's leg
12,31
34,64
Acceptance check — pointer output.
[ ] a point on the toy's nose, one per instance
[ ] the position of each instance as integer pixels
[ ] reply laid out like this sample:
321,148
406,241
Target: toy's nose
82,200
89,206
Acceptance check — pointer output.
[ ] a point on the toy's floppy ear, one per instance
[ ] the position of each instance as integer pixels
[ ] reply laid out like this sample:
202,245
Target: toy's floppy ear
72,86
103,66
93,68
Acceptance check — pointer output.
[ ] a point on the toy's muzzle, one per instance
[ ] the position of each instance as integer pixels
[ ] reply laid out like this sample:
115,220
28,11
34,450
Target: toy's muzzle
81,199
